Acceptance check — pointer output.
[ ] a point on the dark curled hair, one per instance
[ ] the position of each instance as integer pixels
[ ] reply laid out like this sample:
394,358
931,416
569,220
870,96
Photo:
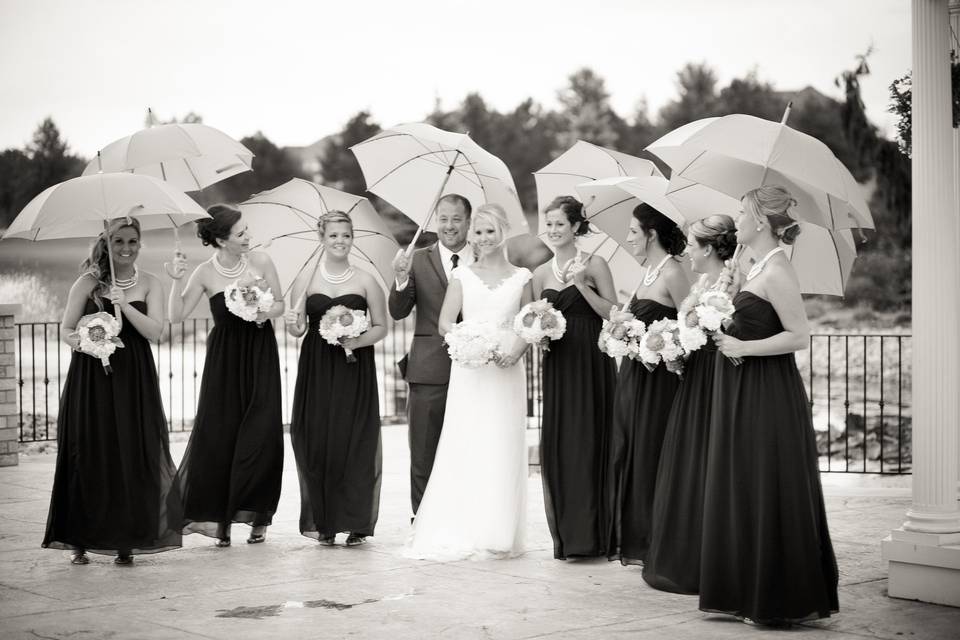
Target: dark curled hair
573,209
218,225
717,231
669,235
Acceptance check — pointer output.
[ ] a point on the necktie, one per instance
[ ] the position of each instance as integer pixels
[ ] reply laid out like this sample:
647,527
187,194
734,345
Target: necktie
455,259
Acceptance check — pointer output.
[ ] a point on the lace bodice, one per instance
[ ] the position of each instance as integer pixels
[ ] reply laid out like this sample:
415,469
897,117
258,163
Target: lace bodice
498,304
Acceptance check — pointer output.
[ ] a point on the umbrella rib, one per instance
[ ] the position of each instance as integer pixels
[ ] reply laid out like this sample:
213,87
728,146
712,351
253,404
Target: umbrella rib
192,174
400,166
607,208
562,173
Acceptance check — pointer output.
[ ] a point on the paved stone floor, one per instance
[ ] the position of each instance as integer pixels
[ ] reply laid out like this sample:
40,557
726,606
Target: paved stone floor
292,588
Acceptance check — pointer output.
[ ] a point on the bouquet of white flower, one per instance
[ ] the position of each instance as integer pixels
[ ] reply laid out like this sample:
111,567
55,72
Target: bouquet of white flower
473,344
98,333
539,323
246,299
620,335
714,309
661,344
340,322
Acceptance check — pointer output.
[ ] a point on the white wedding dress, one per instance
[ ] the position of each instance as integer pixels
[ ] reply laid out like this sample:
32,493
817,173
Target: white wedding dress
475,502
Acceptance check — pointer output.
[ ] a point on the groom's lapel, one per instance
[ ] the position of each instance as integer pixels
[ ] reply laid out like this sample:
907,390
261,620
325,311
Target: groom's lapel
437,264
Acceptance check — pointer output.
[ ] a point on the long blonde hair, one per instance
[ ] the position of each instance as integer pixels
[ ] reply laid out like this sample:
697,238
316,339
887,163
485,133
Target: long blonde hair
97,264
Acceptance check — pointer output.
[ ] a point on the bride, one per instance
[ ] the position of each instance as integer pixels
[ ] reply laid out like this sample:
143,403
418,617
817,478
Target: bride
475,502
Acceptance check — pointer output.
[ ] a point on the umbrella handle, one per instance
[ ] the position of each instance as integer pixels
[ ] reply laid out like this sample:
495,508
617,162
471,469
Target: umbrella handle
116,309
433,207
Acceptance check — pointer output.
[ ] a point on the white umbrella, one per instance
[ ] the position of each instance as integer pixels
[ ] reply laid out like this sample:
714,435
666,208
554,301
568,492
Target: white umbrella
189,156
736,153
83,207
413,165
284,221
583,162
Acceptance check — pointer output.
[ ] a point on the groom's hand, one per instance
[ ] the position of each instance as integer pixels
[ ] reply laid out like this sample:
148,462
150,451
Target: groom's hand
401,268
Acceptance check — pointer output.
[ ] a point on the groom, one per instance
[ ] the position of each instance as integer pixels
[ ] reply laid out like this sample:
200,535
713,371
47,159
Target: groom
421,282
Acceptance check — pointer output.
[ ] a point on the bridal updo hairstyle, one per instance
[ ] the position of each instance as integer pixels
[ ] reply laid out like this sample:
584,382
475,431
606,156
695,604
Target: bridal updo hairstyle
218,225
331,217
774,202
495,215
573,209
97,264
719,232
669,235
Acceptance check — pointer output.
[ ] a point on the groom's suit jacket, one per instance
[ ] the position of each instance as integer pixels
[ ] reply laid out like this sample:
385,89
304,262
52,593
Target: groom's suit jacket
428,361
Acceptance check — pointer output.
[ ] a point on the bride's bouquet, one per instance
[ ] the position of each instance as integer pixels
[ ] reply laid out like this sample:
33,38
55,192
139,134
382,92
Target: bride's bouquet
246,298
98,333
620,335
473,344
714,310
539,323
662,344
340,323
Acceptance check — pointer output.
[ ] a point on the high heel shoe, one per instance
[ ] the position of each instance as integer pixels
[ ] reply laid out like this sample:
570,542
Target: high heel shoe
123,558
222,542
355,539
79,557
327,541
256,538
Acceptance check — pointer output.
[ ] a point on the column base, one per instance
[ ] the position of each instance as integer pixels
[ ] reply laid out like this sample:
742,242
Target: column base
923,567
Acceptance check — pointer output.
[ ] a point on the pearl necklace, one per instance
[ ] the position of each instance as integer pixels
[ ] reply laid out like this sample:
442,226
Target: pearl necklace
339,278
558,273
232,272
129,282
758,267
648,279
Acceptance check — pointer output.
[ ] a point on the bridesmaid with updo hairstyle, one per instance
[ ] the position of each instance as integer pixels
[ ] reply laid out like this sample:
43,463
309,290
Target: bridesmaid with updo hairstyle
673,561
113,490
232,467
643,398
766,553
335,425
578,385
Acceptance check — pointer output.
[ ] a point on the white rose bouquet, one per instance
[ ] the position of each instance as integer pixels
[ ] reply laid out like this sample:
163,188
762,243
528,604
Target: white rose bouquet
539,323
473,344
98,333
661,343
620,335
245,299
340,322
713,311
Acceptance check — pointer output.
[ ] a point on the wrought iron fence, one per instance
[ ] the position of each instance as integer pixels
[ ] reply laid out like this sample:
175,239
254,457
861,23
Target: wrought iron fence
858,386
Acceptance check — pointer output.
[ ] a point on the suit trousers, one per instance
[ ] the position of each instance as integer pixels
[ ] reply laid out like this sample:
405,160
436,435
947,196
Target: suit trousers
425,408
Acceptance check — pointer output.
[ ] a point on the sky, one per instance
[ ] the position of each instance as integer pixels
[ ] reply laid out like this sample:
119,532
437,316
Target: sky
297,71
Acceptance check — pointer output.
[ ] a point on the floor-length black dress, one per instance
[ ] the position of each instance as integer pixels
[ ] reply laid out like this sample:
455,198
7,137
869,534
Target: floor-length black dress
335,430
232,467
578,388
673,560
113,489
641,407
766,553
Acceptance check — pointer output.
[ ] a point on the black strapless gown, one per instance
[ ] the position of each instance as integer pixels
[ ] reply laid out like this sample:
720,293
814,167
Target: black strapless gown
335,431
766,553
578,387
113,490
673,561
641,407
232,468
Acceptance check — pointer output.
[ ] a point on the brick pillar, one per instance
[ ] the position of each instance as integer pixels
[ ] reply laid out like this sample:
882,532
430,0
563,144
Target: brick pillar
9,414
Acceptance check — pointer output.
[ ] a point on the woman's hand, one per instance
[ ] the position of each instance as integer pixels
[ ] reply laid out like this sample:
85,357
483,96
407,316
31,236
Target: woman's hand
350,343
178,268
117,296
292,318
577,271
732,347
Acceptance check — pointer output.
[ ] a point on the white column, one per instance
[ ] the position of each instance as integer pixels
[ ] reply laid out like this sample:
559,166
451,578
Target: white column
955,27
924,554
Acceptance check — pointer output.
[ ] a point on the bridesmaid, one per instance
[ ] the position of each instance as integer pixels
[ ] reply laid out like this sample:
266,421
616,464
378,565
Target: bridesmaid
643,398
766,551
578,386
232,467
113,490
673,561
335,427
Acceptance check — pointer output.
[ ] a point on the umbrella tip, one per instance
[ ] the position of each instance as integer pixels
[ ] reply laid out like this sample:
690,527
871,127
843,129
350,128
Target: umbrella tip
99,163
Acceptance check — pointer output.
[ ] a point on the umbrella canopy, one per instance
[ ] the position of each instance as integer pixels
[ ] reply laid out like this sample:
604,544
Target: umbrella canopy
78,208
823,258
413,165
583,162
738,152
624,266
189,156
284,221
